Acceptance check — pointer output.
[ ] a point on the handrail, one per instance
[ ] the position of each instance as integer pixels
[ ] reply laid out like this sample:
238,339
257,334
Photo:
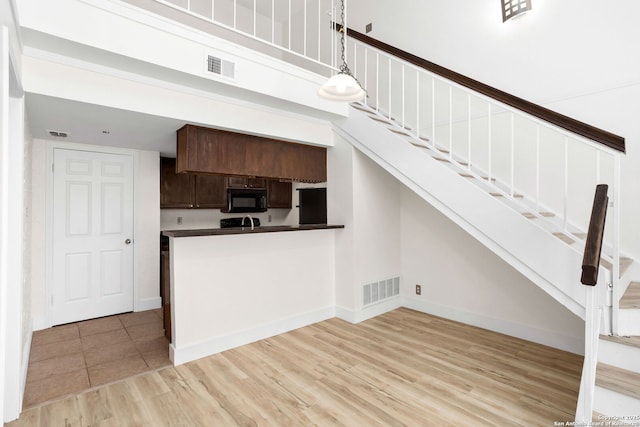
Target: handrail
590,265
591,132
595,234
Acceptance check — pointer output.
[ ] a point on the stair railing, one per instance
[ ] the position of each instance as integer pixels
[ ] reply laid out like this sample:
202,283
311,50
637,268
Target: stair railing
544,161
301,28
589,278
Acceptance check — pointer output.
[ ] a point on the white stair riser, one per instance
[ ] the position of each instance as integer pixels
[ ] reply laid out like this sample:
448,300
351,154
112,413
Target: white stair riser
629,322
619,355
610,403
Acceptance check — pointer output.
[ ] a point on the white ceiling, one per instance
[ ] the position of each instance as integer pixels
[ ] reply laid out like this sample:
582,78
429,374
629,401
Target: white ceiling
87,124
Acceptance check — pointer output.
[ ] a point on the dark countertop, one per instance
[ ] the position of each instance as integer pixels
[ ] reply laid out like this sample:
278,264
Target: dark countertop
247,230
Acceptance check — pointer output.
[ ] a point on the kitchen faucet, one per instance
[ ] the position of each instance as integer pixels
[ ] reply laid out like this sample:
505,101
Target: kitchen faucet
250,219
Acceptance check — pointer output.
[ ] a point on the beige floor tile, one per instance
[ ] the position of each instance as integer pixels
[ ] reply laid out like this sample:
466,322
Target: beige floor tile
138,318
98,326
110,353
54,366
104,345
55,334
157,358
55,349
104,339
154,344
146,331
116,370
55,386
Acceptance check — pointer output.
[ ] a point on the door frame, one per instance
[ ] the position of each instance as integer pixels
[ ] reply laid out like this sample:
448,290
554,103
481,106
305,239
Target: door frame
49,247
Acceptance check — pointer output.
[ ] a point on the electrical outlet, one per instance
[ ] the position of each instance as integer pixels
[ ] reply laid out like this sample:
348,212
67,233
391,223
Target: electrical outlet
418,290
269,218
179,220
368,27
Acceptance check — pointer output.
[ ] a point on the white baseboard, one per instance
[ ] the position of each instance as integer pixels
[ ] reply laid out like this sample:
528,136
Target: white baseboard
26,353
518,330
218,344
368,312
148,304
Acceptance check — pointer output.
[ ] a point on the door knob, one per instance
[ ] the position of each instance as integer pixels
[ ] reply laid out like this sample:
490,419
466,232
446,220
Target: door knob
128,241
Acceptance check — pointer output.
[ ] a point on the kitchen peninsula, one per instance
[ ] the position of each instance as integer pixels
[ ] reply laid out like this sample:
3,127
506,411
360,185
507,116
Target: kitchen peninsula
233,286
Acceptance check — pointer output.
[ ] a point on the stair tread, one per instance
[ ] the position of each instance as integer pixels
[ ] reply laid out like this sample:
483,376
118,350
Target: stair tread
531,215
624,264
468,175
631,298
618,380
400,132
380,119
361,107
516,195
630,341
562,236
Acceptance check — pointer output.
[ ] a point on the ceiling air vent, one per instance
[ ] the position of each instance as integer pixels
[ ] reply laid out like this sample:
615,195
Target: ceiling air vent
58,133
221,67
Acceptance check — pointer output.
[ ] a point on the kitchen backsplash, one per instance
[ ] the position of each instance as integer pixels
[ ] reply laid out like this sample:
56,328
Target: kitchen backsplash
210,218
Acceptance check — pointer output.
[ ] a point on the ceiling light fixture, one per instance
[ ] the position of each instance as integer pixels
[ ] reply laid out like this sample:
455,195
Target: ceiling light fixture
513,8
342,86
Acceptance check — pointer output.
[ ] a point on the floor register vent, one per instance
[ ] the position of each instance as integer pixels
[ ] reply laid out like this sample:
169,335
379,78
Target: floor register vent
375,292
221,67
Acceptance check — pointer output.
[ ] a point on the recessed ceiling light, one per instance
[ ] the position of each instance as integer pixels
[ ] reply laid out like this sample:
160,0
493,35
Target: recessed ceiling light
58,133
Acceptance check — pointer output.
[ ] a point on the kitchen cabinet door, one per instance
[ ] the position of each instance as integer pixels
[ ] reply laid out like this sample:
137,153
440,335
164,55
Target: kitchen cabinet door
245,182
176,190
279,194
204,150
210,191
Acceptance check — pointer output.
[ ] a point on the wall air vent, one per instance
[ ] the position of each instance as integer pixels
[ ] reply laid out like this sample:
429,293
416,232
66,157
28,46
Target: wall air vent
221,67
58,134
382,290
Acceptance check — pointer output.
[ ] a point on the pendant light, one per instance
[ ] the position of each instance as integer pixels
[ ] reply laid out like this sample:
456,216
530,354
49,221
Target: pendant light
342,86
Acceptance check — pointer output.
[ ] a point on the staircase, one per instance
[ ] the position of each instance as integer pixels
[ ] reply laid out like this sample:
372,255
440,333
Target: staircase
486,207
618,379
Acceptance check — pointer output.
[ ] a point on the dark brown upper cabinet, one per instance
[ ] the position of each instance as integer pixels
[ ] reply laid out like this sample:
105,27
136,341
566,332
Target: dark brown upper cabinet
190,191
211,151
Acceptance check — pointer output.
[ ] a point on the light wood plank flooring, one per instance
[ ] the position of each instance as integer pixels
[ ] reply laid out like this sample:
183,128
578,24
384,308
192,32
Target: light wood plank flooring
401,368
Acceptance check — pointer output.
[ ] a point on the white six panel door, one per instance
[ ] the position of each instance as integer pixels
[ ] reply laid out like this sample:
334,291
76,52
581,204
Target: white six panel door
92,235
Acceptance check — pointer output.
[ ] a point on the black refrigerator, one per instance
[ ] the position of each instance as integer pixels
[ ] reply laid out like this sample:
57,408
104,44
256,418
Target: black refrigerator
313,205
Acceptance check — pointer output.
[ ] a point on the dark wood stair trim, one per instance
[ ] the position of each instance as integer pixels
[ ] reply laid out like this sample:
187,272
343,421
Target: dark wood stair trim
593,133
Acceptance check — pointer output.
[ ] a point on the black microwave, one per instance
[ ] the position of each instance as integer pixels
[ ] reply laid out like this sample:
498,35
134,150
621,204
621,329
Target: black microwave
246,200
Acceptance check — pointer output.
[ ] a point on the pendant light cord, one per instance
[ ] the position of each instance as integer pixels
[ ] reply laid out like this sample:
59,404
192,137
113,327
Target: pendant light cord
344,68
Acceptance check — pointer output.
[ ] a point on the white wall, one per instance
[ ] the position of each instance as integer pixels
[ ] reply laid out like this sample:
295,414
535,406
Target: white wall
572,56
147,231
366,200
464,281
